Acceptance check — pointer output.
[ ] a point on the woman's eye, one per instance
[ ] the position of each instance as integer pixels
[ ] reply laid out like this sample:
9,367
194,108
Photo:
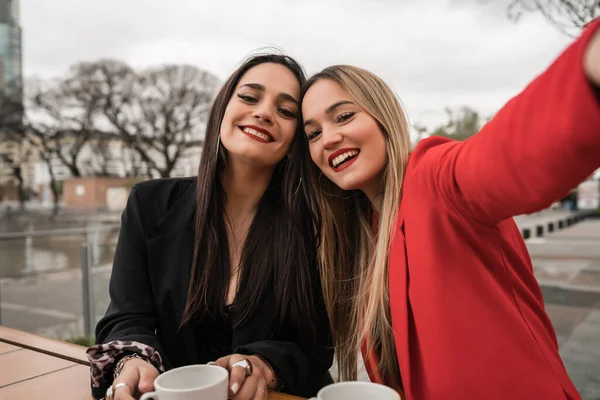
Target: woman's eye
345,116
313,134
247,98
287,113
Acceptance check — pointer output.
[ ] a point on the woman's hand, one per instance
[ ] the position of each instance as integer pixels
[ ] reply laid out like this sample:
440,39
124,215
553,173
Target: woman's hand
139,377
243,386
591,59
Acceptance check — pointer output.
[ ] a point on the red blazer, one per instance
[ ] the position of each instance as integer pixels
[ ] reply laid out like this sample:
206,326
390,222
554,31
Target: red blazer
467,312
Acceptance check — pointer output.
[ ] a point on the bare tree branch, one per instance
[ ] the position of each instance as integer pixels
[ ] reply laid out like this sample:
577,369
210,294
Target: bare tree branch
568,16
62,111
156,112
15,160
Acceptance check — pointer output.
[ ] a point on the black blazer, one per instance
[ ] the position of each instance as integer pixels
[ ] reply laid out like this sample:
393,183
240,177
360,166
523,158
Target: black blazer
149,285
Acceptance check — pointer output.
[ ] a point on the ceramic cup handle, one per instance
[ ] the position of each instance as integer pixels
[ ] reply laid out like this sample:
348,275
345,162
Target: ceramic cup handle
149,396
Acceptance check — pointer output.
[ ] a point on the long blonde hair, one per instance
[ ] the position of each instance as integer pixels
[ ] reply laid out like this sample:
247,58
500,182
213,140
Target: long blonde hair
354,259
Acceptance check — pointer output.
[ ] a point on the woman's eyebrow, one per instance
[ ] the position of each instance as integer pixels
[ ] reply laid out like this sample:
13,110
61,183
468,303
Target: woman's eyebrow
329,110
261,88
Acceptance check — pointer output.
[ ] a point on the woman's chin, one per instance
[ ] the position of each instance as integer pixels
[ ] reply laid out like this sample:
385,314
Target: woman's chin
347,184
252,157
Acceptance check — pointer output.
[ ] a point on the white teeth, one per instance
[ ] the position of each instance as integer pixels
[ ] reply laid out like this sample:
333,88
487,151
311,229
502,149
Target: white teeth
342,157
258,134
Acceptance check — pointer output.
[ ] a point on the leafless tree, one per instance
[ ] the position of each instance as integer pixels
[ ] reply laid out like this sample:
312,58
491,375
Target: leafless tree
66,111
15,161
39,126
104,117
100,158
158,113
569,16
29,142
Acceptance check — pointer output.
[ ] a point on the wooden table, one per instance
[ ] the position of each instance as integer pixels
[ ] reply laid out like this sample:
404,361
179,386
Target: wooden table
35,367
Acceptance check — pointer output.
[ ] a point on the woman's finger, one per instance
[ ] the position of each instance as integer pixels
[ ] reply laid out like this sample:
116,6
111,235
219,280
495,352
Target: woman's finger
261,389
237,373
122,392
126,384
137,376
248,388
221,362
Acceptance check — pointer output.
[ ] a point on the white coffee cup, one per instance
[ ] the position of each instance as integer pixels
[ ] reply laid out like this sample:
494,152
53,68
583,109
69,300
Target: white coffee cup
356,391
194,382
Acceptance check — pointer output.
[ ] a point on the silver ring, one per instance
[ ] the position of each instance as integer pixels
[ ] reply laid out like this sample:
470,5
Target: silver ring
120,385
246,364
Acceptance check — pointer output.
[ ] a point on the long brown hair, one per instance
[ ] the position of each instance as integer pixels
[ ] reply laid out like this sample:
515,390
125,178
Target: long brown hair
353,258
284,266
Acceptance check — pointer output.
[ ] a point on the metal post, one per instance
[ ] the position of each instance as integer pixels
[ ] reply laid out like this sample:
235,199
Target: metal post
28,259
93,260
94,239
0,300
86,280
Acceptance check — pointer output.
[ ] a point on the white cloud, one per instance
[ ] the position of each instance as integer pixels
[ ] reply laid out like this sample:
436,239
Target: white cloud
434,53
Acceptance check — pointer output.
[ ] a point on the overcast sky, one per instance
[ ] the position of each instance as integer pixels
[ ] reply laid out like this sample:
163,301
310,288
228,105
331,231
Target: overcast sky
433,53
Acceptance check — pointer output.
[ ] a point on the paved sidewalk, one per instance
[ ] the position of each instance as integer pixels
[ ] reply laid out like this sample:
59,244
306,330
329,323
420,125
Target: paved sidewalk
567,265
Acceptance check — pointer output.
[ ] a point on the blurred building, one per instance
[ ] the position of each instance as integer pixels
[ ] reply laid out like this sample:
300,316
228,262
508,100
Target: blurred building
99,163
11,90
11,65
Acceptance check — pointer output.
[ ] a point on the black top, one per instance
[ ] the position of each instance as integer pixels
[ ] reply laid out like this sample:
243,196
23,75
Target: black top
148,293
218,332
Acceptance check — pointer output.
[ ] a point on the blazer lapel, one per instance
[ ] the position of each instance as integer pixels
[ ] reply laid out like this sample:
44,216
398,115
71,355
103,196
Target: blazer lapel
179,215
170,253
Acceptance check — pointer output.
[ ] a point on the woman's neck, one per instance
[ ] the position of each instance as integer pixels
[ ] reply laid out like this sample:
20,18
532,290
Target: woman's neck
244,186
374,193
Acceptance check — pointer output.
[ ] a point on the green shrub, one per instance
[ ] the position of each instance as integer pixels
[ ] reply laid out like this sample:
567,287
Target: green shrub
86,341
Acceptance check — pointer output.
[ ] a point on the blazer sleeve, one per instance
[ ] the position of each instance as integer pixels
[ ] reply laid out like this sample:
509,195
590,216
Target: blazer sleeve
539,146
302,367
131,314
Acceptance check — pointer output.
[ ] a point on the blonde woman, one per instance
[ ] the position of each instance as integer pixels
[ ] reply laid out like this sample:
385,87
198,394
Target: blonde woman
423,267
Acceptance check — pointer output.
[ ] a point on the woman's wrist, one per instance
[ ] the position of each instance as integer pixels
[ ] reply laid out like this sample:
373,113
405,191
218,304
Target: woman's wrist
119,366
